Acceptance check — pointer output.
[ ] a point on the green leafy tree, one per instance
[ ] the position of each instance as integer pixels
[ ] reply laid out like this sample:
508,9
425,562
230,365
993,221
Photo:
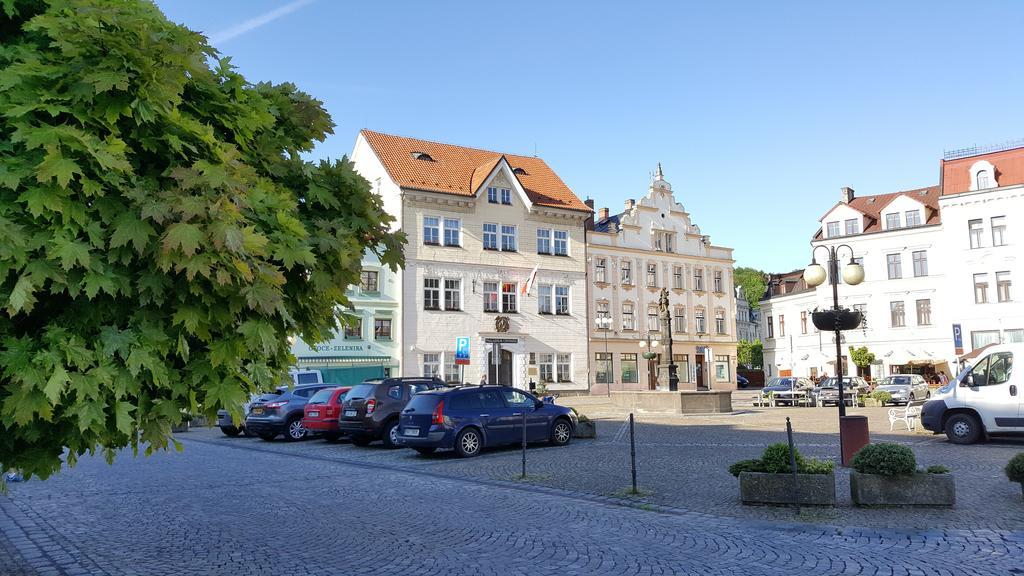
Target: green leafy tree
753,282
862,358
160,236
750,354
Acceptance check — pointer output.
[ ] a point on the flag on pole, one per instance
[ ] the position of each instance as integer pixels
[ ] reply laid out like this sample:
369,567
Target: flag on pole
530,280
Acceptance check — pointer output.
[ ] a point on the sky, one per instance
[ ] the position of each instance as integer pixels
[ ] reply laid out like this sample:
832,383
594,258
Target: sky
758,111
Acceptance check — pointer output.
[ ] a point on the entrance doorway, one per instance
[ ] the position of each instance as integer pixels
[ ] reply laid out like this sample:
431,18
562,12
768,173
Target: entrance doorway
502,373
698,364
652,372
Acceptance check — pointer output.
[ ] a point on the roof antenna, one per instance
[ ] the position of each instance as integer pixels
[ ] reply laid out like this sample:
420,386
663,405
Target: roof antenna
535,149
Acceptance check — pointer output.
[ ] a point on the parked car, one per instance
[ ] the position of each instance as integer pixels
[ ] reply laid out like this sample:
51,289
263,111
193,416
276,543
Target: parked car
986,399
828,392
321,413
473,418
282,414
786,388
226,422
371,409
741,381
905,388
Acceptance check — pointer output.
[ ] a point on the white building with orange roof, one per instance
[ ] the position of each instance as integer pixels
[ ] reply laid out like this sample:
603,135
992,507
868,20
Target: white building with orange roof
495,253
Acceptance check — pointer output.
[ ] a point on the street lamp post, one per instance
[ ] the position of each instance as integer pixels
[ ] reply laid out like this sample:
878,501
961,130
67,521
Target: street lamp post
604,322
648,345
837,319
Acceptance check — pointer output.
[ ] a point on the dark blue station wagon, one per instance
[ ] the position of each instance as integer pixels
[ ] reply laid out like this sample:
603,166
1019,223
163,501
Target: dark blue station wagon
473,418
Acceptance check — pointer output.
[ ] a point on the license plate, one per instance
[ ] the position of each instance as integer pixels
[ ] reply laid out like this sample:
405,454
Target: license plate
313,414
257,411
350,412
412,431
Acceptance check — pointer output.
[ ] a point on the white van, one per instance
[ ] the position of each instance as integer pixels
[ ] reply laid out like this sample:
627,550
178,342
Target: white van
985,399
301,377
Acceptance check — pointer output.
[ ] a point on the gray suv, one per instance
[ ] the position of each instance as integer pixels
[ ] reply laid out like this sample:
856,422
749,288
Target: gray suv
281,414
370,410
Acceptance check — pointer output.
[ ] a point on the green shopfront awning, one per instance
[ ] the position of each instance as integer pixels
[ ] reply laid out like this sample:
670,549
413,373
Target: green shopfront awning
346,361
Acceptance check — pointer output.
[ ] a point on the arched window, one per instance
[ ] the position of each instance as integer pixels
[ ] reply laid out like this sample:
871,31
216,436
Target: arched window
983,175
422,156
982,181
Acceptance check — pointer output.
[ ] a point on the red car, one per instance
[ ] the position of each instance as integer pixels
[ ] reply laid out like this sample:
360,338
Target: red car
322,411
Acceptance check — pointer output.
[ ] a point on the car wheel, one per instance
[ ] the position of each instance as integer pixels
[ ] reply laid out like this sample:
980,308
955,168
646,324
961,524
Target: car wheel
268,436
390,436
361,440
296,431
912,398
468,443
231,431
425,451
561,432
963,429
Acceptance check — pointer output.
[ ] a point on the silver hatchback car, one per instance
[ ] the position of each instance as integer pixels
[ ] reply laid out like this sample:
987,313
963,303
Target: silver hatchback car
904,388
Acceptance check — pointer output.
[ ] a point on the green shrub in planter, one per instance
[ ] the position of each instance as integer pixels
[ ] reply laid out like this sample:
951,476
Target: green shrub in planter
815,466
882,396
746,466
886,459
937,469
1015,469
776,459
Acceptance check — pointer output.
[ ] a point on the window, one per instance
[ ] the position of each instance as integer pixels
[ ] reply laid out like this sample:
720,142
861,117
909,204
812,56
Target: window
663,241
920,258
721,368
368,280
782,325
924,312
628,322
1014,336
492,195
993,370
803,322
490,236
717,282
603,368
354,331
1003,287
892,220
679,320
431,365
508,296
852,227
564,367
653,322
543,241
562,300
771,328
451,369
506,196
982,180
628,367
452,294
627,272
382,329
431,293
508,238
984,338
682,366
603,311
699,317
999,230
832,229
652,275
547,367
452,230
431,230
895,262
544,299
981,288
913,218
600,270
561,243
896,315
491,297
975,229
698,279
719,321
677,277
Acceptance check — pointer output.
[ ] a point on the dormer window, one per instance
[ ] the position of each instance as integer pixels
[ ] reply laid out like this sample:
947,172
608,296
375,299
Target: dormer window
422,156
892,220
913,218
981,180
519,172
832,229
983,175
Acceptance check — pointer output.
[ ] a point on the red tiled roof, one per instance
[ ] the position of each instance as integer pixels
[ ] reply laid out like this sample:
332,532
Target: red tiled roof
872,206
460,171
1009,164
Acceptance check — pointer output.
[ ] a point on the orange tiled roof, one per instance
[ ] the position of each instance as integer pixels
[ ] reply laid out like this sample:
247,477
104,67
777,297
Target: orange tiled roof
1009,165
460,171
872,207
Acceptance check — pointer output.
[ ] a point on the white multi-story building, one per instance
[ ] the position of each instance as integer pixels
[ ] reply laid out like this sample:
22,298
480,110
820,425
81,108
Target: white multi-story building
748,320
481,228
652,245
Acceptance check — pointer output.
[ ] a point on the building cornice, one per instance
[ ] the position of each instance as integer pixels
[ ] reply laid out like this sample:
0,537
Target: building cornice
668,255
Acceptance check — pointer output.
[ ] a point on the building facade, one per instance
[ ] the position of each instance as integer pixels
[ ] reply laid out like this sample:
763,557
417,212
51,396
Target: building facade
370,346
748,320
632,256
495,253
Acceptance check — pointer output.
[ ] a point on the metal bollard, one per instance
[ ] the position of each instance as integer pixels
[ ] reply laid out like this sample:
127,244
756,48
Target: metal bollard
524,444
792,462
632,451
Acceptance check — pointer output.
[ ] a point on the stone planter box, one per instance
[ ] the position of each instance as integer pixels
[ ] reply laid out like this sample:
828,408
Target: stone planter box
872,403
585,430
812,489
183,427
909,490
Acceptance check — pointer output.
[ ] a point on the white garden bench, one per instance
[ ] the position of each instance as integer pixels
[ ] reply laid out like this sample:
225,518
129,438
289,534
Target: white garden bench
908,415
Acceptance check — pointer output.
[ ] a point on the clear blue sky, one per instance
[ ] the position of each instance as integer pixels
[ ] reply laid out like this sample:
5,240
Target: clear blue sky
759,111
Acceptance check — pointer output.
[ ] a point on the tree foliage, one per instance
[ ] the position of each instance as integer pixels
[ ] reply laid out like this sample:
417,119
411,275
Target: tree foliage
750,353
861,357
753,282
160,236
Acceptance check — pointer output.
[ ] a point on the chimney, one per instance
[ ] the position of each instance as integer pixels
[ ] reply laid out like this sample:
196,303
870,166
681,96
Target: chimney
589,202
588,224
846,194
630,203
602,214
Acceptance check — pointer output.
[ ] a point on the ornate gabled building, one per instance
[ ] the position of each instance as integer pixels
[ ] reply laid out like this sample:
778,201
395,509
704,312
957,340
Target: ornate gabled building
652,244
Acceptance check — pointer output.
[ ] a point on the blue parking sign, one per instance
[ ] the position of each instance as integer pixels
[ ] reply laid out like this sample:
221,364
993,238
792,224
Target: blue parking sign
462,350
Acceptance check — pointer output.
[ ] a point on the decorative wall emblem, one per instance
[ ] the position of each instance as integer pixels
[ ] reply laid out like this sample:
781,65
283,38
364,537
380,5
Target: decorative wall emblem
501,324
